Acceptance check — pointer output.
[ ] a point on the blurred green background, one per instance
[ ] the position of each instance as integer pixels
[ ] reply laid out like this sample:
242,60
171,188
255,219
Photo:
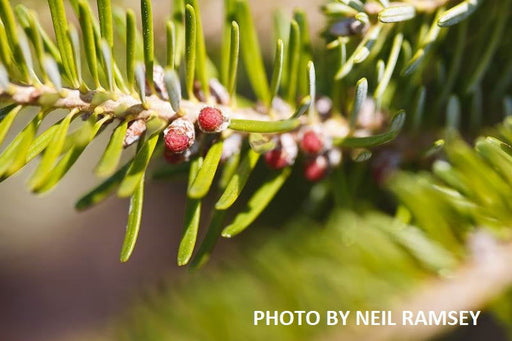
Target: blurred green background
60,278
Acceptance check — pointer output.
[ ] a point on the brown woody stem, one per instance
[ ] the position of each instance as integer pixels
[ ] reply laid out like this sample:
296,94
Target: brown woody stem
119,105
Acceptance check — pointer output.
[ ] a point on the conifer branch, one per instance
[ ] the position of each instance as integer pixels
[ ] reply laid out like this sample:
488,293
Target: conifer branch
350,106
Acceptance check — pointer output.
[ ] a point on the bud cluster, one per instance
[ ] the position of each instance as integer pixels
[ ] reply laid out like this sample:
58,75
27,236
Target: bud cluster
180,135
313,141
316,147
318,152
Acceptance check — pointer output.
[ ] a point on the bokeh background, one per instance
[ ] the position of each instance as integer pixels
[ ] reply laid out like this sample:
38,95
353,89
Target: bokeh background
60,278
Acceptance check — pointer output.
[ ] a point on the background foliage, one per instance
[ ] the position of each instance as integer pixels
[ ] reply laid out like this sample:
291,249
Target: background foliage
413,65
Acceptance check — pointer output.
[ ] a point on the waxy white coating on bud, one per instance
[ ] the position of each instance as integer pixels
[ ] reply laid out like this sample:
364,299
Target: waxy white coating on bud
280,107
335,128
290,146
212,120
368,118
231,146
323,106
133,132
159,82
219,92
285,153
179,135
334,157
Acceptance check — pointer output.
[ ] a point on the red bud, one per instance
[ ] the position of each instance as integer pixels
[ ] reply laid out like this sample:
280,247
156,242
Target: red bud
312,142
315,169
276,159
211,120
284,155
179,136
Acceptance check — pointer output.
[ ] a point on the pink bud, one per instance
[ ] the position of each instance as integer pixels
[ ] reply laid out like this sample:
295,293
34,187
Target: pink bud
212,120
232,145
179,136
312,142
315,169
285,153
276,159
